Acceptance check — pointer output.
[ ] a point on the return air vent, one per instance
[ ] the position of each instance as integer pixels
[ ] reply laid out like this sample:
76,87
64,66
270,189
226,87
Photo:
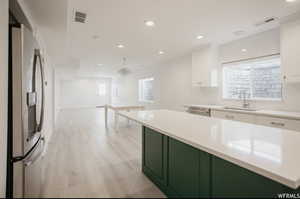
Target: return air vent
80,17
266,21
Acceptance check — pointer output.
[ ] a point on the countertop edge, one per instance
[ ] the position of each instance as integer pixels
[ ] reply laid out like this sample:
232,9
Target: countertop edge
282,180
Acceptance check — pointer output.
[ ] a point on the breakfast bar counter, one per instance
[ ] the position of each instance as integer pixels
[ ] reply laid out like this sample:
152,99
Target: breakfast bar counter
116,108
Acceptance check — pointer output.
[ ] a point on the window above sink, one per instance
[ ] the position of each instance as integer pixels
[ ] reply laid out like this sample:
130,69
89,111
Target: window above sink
259,79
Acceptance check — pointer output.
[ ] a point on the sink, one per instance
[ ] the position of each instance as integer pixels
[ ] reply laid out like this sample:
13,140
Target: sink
239,108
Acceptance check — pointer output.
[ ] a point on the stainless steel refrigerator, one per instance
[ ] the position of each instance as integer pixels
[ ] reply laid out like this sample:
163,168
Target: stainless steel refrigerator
28,91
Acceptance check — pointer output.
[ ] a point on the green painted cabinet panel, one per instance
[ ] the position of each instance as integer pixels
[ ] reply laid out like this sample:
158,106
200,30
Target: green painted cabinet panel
205,174
188,170
154,150
181,170
232,181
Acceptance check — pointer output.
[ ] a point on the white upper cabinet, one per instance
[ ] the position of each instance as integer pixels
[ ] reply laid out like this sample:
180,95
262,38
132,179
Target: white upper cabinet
205,64
290,51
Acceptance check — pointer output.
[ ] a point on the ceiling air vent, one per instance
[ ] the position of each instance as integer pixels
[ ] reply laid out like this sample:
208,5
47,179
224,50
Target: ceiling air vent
266,21
80,17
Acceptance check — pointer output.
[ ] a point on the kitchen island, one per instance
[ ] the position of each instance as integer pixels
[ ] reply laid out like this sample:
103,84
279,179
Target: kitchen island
188,155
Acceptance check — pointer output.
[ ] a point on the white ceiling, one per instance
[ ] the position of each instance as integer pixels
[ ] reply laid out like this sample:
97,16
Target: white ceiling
178,22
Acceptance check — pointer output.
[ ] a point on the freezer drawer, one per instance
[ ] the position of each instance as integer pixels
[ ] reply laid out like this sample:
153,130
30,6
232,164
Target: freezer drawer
18,180
33,179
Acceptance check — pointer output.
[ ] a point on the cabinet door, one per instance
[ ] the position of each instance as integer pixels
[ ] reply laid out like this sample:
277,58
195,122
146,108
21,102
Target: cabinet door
290,48
200,68
204,67
188,173
234,116
153,154
232,181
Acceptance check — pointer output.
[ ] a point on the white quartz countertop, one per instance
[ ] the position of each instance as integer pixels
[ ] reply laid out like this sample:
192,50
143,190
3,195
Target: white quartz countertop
270,152
125,105
270,113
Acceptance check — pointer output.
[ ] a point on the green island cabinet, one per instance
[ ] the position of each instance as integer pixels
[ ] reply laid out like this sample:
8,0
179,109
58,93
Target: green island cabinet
180,170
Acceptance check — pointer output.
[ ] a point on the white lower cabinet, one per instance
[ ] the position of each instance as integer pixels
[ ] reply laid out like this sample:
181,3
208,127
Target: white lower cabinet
278,122
257,119
233,116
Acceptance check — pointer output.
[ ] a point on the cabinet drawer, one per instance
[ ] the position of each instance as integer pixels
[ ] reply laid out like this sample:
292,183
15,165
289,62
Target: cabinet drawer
278,123
233,116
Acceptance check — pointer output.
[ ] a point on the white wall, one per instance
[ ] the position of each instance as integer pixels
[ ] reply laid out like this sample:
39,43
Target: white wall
173,83
172,87
60,72
83,92
128,88
262,44
3,91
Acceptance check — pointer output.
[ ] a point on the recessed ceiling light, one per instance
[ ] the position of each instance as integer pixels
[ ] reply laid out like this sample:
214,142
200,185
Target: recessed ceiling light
120,46
149,23
161,52
200,37
99,64
244,50
289,1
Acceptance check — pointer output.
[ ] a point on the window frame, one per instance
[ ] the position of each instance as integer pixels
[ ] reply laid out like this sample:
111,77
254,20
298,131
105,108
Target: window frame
251,93
140,90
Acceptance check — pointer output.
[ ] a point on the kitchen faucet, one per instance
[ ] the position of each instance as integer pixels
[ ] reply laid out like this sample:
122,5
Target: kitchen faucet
246,103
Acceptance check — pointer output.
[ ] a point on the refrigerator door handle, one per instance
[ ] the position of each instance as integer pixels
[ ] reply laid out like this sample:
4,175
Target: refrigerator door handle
37,156
21,158
37,58
40,127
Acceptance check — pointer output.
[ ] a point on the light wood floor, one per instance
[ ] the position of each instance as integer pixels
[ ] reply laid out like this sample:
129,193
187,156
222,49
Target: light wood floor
85,160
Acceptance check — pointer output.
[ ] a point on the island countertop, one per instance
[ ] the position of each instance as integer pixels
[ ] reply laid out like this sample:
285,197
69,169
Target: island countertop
270,152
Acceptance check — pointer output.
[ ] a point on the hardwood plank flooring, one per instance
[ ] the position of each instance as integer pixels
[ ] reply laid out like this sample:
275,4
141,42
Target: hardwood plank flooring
86,160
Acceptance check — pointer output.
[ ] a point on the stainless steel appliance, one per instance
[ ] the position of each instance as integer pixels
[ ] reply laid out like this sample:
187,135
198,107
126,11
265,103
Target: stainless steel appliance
199,111
28,113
